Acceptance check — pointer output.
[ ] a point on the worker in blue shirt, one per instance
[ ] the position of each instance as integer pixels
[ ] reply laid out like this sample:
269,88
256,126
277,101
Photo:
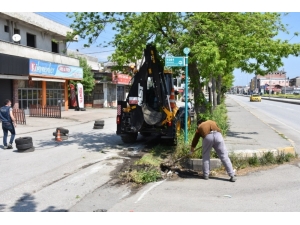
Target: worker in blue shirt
8,123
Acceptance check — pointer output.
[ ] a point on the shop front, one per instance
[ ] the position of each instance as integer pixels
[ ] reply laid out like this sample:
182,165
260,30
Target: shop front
50,83
30,82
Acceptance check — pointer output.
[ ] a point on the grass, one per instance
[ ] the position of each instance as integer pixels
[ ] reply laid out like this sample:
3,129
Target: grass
149,170
282,96
268,158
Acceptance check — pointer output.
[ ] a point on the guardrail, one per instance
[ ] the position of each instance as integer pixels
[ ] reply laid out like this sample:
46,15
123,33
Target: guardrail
45,111
278,99
19,115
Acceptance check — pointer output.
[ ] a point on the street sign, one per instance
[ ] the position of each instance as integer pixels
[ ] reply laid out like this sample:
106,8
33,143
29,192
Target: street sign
186,51
176,61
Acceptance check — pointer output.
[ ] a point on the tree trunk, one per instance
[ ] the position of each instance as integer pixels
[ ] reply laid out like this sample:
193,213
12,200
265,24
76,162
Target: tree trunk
219,91
214,92
200,107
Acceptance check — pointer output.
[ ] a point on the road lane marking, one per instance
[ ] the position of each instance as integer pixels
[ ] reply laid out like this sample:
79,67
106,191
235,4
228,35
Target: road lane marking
145,192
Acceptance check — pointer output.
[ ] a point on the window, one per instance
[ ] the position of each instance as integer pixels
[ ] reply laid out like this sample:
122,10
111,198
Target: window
31,40
6,29
54,47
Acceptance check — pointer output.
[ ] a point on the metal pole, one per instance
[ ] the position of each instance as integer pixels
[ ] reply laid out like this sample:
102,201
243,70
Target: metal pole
285,85
186,97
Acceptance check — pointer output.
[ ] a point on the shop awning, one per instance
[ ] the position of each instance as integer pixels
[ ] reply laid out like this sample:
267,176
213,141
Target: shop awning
43,79
13,77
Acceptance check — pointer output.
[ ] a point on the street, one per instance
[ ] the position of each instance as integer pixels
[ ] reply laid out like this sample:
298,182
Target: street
283,117
80,174
59,174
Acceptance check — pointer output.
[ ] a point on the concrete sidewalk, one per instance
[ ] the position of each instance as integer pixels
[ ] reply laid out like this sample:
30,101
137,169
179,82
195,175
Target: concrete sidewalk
248,134
69,118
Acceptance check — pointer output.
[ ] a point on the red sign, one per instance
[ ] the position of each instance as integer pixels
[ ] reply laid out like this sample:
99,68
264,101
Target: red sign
80,94
64,69
121,79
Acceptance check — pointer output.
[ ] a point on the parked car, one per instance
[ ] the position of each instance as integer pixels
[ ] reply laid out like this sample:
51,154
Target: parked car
255,98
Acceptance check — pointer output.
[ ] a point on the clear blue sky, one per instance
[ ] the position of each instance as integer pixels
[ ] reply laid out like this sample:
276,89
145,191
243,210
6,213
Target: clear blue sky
290,64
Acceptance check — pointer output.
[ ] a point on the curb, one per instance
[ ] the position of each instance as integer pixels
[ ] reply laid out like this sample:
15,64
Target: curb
259,152
197,164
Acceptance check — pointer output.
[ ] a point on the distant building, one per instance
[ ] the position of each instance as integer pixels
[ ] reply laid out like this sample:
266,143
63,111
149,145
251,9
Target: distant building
295,82
273,81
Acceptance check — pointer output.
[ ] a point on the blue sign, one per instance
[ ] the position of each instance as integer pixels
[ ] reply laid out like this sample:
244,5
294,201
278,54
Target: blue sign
186,51
43,68
175,61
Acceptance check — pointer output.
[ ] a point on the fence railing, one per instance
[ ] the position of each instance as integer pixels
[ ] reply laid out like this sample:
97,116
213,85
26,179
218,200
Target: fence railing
45,111
19,115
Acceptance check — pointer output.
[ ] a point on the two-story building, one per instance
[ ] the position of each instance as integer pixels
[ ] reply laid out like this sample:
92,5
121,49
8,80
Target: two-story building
273,81
34,66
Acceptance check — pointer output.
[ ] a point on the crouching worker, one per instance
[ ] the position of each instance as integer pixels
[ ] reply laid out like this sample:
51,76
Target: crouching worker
212,138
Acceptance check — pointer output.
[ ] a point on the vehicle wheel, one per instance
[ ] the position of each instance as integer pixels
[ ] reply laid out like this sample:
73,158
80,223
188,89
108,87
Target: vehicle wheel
99,122
62,130
98,127
145,134
24,146
27,150
176,129
23,140
129,138
61,134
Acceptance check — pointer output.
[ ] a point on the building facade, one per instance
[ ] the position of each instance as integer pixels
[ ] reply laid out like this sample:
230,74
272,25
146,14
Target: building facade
34,66
273,81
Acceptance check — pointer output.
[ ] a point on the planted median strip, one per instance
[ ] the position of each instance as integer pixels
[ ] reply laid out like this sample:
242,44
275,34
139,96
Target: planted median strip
158,163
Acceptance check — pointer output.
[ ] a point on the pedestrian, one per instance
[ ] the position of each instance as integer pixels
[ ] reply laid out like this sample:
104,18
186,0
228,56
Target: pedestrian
212,138
8,123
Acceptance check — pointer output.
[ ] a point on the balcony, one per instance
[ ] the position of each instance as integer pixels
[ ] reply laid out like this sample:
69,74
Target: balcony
33,53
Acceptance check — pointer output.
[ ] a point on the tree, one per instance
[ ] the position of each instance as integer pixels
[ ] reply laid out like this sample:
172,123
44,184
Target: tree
219,42
88,81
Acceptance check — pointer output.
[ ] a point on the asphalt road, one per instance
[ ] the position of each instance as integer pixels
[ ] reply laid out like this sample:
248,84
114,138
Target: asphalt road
58,175
284,117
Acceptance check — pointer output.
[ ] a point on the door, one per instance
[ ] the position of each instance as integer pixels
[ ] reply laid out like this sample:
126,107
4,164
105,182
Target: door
6,91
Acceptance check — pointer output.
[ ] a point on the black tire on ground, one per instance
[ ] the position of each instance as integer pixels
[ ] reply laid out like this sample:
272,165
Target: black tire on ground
145,134
62,130
98,127
62,138
61,134
23,140
24,146
99,122
27,150
129,138
82,109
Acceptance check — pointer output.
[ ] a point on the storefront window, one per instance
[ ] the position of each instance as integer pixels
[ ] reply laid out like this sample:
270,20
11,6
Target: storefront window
31,93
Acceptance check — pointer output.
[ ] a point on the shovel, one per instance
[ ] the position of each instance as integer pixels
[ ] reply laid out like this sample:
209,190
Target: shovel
177,160
163,166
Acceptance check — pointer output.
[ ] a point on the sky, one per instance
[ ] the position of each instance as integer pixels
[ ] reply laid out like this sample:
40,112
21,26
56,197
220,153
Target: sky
292,19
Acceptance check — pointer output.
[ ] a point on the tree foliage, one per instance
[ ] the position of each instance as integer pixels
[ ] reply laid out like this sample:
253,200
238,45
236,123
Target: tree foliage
88,81
219,41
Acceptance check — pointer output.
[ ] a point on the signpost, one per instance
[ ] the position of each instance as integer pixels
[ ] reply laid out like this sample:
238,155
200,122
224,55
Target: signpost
181,61
175,61
186,51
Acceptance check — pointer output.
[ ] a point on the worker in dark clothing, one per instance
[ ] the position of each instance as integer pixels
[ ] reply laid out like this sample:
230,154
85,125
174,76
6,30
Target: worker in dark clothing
8,123
212,138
